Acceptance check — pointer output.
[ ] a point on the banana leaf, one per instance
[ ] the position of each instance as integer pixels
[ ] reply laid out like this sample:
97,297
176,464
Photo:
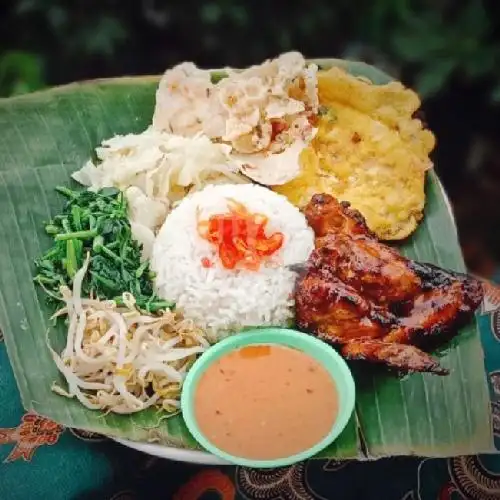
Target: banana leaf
47,135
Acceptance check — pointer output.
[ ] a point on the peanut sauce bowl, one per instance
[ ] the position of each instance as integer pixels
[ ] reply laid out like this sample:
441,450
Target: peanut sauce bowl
333,407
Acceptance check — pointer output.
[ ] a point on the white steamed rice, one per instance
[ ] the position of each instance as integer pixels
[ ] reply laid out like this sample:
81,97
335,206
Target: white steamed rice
224,300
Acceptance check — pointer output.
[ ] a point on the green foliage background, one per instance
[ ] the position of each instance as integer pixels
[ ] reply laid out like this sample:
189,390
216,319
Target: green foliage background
51,41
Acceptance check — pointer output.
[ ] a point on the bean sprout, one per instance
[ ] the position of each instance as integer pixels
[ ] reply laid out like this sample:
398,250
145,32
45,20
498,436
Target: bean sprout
118,359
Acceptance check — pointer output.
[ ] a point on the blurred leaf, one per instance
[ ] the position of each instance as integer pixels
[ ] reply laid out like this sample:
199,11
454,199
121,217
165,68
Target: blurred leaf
211,42
435,49
210,13
20,87
375,23
20,72
157,15
495,94
415,48
103,36
307,24
26,6
284,39
238,14
473,20
405,13
481,62
433,77
57,17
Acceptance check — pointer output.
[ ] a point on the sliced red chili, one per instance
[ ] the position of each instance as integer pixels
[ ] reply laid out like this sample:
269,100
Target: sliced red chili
206,262
240,237
278,126
228,255
269,246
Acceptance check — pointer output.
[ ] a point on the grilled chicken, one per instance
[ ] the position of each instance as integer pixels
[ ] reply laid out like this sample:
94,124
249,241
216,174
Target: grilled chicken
371,301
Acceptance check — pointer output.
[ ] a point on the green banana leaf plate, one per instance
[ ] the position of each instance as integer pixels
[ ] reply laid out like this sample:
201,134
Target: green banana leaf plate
47,135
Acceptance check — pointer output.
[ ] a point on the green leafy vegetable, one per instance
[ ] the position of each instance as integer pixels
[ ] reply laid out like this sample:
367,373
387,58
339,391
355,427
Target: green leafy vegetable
327,112
217,76
96,222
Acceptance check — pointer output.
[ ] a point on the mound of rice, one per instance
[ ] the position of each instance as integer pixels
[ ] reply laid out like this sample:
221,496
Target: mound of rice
224,300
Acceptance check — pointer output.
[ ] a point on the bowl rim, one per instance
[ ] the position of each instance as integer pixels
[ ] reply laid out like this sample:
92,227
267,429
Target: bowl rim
311,346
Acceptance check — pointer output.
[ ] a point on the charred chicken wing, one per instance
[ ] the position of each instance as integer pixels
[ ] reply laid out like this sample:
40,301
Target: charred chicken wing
367,298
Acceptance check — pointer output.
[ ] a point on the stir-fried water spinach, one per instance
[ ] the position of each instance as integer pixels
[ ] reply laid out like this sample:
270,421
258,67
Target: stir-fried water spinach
96,223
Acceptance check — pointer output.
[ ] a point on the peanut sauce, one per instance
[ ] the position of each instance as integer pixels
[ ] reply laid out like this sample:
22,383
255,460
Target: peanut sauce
265,402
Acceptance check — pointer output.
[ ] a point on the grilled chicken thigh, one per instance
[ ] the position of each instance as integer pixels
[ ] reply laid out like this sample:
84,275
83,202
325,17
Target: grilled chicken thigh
377,305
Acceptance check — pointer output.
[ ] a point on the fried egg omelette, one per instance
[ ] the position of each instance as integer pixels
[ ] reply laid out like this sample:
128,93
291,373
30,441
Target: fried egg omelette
369,151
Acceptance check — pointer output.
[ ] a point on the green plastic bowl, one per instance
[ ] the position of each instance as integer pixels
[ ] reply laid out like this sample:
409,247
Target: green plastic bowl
315,348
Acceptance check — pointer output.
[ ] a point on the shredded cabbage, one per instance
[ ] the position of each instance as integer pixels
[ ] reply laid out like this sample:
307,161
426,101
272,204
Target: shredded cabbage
155,170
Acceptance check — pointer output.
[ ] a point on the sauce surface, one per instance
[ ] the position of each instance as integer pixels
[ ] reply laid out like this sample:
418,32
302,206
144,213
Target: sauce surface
265,402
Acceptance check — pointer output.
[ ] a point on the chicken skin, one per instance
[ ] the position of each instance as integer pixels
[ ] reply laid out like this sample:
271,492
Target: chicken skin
374,303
